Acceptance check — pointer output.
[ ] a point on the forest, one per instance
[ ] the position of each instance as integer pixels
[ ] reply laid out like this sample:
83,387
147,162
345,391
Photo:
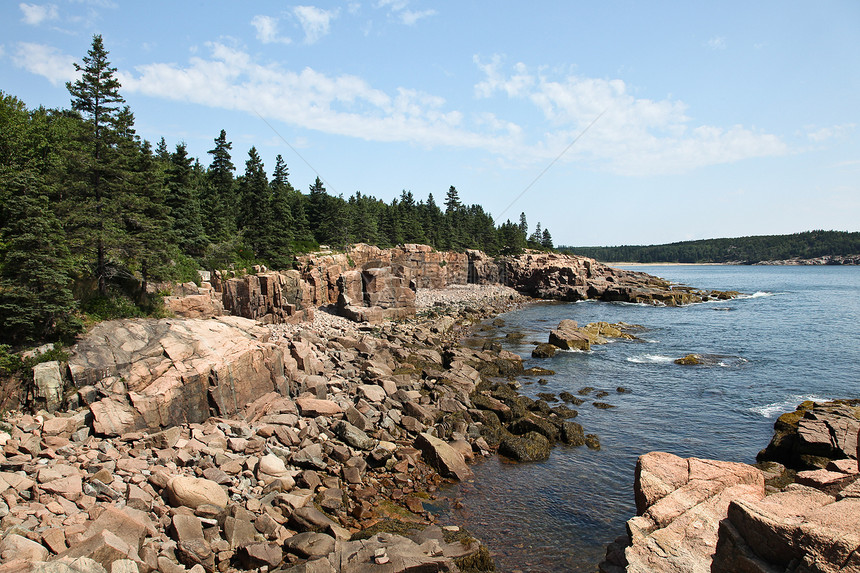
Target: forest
90,213
742,250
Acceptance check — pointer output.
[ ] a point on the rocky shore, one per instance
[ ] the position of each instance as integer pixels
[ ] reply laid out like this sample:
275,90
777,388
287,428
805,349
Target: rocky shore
303,432
796,511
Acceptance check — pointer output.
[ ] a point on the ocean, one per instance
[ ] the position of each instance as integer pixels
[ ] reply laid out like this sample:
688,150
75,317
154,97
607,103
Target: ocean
793,335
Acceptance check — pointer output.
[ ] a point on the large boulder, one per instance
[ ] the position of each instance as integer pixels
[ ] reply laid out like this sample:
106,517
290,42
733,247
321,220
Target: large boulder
159,373
530,447
48,382
799,529
185,491
681,503
815,434
568,336
447,460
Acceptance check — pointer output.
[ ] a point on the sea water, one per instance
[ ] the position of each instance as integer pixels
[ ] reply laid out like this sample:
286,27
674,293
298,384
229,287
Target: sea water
793,335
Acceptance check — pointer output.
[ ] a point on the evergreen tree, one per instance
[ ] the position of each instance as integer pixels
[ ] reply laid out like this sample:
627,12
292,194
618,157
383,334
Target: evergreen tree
364,221
452,200
524,226
96,96
511,238
148,228
37,302
280,233
255,215
161,151
182,199
218,203
316,209
536,236
546,239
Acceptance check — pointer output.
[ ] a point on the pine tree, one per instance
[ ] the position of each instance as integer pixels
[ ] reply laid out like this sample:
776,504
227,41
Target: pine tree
218,202
255,213
37,302
536,236
316,209
452,200
280,232
96,96
546,239
161,151
182,199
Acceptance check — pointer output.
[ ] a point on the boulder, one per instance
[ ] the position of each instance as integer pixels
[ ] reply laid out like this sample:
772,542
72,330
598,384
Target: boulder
815,435
568,336
48,383
681,503
530,447
353,436
799,529
448,461
185,491
161,373
15,546
544,350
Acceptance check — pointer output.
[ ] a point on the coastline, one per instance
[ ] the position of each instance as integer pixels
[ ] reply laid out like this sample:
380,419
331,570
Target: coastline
369,490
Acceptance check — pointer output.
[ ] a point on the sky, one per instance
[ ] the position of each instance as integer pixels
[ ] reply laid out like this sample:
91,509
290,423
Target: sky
609,123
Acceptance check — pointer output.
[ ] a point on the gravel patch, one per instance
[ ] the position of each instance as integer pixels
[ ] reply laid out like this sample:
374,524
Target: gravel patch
328,325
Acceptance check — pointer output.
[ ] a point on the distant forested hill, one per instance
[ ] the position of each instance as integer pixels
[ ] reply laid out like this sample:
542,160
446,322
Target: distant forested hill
808,245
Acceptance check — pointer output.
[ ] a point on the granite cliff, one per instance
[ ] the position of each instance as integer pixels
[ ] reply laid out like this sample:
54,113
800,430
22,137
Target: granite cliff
370,284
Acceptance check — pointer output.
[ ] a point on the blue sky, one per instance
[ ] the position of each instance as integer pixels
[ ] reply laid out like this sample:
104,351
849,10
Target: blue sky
707,119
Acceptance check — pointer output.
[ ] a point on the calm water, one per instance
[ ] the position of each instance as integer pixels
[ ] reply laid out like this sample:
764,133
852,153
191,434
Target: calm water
793,336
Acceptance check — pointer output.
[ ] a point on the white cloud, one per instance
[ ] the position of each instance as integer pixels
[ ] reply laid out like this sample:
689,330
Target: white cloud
835,131
634,136
45,61
343,105
717,43
409,17
315,21
513,86
35,14
267,30
400,10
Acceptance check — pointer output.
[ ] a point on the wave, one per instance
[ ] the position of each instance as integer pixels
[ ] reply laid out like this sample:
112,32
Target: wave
757,294
650,359
790,404
731,361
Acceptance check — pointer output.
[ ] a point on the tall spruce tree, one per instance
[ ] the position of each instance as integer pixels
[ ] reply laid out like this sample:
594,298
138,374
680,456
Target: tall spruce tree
255,214
96,97
182,199
219,202
546,239
280,233
452,200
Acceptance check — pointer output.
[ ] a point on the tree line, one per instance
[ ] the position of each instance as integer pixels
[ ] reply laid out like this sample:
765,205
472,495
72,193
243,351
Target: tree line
90,212
743,250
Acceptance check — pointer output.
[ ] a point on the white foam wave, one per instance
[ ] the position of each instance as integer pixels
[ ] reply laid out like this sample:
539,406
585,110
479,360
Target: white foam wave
775,409
757,294
735,361
650,359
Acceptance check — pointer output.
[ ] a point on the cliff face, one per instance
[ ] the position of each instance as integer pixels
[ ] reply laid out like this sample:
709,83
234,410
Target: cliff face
367,283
